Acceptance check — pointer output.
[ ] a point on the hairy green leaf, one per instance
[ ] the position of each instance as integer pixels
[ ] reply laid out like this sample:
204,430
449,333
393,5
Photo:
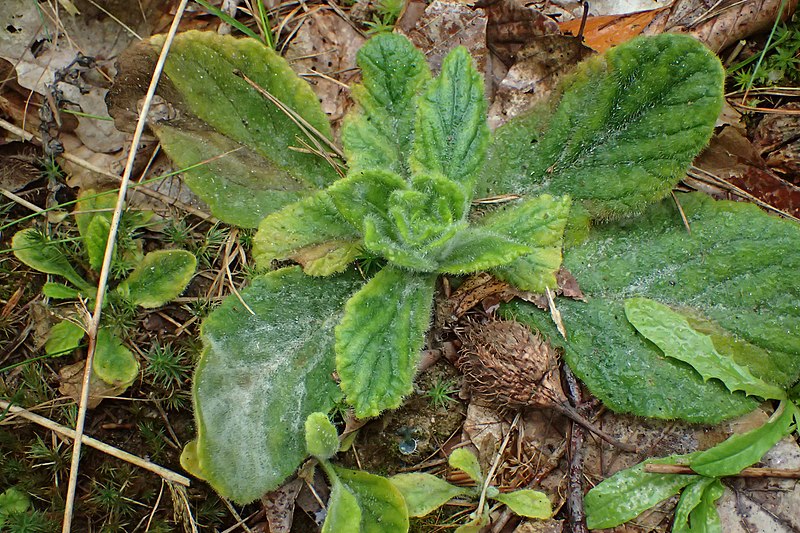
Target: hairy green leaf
632,491
622,133
310,232
466,461
539,223
113,362
379,339
58,291
63,338
451,134
37,251
424,493
688,511
472,249
379,135
95,241
735,270
160,277
260,375
232,141
344,513
365,194
382,506
322,440
671,332
740,451
527,503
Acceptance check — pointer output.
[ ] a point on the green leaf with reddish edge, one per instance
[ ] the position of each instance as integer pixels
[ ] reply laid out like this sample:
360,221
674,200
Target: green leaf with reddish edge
691,507
160,277
538,222
379,134
424,493
379,339
467,462
731,456
37,251
736,271
382,506
451,135
623,130
260,376
527,503
632,491
232,141
63,338
322,440
311,232
671,332
113,362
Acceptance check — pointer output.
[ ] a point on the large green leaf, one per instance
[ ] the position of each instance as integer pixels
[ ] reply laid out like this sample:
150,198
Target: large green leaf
622,133
424,493
382,506
310,232
160,277
671,332
632,491
210,111
379,339
737,271
34,249
451,134
379,135
740,451
260,376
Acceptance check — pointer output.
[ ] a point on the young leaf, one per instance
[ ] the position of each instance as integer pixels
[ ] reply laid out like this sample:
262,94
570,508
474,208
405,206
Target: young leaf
365,194
57,291
424,493
632,491
527,503
91,205
477,524
95,241
310,232
236,148
705,518
740,451
382,505
35,250
626,127
322,440
113,362
473,249
379,135
671,332
160,277
344,513
451,134
379,339
190,461
63,338
466,461
260,375
13,500
691,499
539,223
736,270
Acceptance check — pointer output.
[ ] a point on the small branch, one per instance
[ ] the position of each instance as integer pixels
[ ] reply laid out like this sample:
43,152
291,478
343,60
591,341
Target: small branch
577,515
165,473
782,473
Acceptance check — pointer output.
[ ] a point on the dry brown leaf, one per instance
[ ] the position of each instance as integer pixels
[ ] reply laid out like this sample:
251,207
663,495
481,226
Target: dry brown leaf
323,51
71,378
445,25
777,138
279,506
513,25
732,157
18,165
603,32
539,68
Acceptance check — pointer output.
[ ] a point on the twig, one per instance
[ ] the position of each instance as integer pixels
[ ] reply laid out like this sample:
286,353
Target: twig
577,515
683,215
496,463
165,473
752,472
21,201
106,268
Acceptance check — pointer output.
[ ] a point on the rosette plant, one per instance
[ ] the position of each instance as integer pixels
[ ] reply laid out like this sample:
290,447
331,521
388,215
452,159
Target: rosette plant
617,136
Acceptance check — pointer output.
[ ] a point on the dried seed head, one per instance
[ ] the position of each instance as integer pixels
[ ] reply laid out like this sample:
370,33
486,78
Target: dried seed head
508,366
